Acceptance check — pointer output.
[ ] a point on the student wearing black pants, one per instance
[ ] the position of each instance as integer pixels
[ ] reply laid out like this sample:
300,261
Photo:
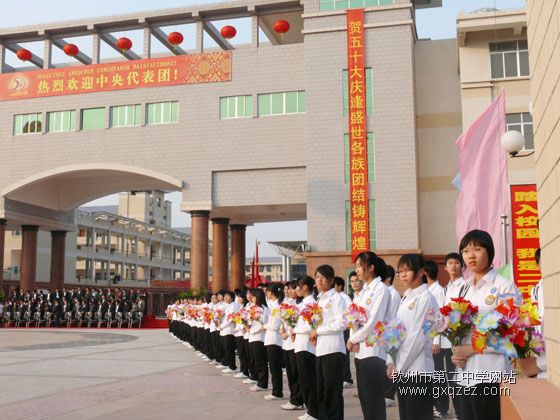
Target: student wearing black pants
256,340
273,340
226,332
331,349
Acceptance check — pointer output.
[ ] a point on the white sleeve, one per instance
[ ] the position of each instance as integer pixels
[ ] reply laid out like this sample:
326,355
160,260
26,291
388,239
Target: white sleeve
376,312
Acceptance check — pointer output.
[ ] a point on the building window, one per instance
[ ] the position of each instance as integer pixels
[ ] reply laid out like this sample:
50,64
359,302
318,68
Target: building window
125,115
282,103
163,113
368,88
329,5
370,155
93,118
522,122
61,121
509,59
236,107
28,124
372,226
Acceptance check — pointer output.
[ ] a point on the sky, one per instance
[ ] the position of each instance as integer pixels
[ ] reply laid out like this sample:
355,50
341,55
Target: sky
435,23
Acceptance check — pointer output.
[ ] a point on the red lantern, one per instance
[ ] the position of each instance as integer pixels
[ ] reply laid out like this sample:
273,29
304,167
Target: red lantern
281,27
23,54
71,50
124,44
228,32
175,38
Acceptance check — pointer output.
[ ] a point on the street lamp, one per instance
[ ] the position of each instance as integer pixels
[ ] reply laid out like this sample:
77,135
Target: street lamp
512,142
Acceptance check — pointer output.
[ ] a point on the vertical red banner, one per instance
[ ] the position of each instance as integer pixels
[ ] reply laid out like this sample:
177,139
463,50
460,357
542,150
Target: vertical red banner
359,195
525,234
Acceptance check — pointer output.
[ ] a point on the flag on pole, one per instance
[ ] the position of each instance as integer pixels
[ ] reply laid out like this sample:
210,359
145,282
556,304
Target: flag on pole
483,196
257,275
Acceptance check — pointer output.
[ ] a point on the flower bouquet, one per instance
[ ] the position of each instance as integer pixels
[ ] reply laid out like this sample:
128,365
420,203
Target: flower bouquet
218,315
533,340
241,317
313,315
255,313
389,335
459,317
354,317
289,314
206,314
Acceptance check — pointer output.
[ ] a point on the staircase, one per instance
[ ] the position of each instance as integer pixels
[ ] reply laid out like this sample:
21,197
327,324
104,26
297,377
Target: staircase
150,321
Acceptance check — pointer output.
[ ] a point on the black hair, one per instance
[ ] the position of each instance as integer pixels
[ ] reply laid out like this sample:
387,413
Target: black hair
260,299
328,272
390,274
292,284
454,256
230,294
479,238
221,292
368,259
431,268
414,262
339,281
352,274
306,281
538,255
277,289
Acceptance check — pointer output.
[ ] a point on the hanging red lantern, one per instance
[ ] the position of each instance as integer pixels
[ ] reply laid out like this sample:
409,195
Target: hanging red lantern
24,54
124,44
175,38
71,49
281,27
228,32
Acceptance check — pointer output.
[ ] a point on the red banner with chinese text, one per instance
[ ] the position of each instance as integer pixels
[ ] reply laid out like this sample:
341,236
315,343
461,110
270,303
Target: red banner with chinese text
152,72
359,196
525,234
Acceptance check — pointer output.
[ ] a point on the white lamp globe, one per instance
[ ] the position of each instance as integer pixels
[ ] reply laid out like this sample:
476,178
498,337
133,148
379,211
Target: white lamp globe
512,142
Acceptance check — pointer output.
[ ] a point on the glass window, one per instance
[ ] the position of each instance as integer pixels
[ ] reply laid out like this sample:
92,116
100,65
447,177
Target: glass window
236,107
61,121
329,5
509,59
125,115
372,226
93,118
28,124
163,112
368,87
280,103
522,122
370,155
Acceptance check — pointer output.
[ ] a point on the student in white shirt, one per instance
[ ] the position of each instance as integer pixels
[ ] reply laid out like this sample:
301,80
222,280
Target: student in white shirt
453,265
441,403
226,332
273,341
296,398
239,333
331,350
256,341
218,342
414,357
390,386
370,361
305,351
485,289
340,287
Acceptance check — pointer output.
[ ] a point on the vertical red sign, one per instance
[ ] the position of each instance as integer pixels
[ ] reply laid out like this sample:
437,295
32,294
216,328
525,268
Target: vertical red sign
525,234
359,196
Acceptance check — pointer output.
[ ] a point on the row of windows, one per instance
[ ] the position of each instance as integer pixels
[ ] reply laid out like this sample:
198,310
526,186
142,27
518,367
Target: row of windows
278,103
94,118
329,5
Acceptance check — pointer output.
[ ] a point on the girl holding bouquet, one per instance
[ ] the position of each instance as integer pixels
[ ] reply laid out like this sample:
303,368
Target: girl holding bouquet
296,399
415,354
305,351
331,349
484,289
273,340
375,298
256,339
240,341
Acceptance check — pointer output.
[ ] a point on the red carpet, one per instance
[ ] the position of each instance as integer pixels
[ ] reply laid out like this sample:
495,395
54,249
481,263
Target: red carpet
151,322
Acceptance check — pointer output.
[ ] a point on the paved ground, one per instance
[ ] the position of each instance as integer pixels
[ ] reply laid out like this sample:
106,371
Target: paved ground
131,374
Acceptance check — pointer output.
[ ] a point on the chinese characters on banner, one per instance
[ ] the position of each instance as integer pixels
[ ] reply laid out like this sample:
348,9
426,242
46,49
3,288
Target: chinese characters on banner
152,72
525,234
359,200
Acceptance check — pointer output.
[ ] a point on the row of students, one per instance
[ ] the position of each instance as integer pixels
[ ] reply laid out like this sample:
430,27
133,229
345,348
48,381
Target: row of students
315,359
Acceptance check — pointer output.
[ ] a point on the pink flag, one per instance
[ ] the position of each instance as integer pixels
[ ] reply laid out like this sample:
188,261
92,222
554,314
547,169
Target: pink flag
484,178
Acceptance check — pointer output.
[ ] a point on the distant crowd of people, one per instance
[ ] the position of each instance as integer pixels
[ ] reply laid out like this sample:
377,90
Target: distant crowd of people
74,307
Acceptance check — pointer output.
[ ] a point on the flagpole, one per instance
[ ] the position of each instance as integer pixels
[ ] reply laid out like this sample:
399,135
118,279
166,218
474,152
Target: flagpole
504,222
